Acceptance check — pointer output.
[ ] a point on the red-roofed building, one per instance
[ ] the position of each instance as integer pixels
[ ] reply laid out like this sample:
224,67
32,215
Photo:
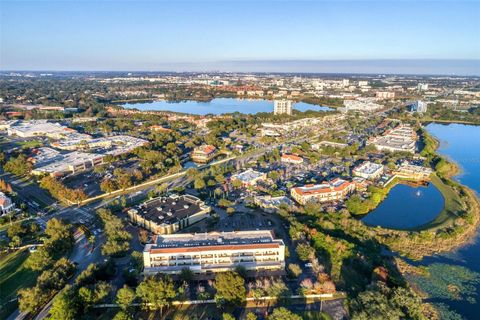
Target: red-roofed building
333,190
291,158
204,153
6,205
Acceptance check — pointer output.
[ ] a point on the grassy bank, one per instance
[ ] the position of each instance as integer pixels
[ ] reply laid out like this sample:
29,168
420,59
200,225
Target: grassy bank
452,207
13,277
453,227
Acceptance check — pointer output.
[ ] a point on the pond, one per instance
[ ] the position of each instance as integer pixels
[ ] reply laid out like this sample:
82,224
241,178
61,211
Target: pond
219,106
407,207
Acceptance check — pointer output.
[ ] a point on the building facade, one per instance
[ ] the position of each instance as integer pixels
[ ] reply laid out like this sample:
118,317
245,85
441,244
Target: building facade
282,107
204,154
6,204
214,252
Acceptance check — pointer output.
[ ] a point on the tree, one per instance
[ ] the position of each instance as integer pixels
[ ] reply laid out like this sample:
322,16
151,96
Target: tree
156,293
295,270
230,288
186,275
251,316
199,183
283,314
125,297
304,251
122,315
65,306
227,316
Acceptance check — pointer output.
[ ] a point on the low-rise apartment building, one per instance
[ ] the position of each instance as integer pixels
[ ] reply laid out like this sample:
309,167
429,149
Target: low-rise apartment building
166,215
410,171
334,190
368,170
214,252
204,154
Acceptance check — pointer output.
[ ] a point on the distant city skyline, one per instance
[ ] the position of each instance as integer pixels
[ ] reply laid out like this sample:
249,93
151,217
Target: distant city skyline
409,37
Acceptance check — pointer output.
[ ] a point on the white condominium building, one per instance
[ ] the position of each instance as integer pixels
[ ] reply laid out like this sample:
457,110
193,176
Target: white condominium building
282,107
214,252
368,170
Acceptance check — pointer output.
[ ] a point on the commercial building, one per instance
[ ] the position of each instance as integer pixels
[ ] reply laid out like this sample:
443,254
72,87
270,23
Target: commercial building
324,143
282,107
204,154
291,158
214,252
6,204
362,104
410,171
334,190
402,138
54,163
418,106
249,177
385,95
43,128
271,204
166,215
368,170
114,145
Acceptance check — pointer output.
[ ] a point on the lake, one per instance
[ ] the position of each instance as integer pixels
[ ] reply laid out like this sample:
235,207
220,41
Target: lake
460,143
407,207
219,106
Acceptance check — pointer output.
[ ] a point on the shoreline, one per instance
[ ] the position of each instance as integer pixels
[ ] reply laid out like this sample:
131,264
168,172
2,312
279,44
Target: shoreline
416,244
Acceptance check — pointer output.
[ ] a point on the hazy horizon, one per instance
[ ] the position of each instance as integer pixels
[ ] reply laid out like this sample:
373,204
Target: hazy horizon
460,67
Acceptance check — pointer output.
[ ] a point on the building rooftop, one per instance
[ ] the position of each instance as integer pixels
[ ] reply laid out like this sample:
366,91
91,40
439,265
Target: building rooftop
248,175
368,167
168,210
327,186
221,240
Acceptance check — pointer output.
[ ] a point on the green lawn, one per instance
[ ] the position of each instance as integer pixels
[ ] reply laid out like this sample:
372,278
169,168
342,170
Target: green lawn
13,276
453,205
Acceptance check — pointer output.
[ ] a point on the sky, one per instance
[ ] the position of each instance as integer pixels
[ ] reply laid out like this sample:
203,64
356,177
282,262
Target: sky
285,36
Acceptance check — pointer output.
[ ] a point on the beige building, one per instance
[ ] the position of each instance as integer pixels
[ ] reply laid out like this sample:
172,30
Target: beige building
282,107
204,154
334,190
166,215
214,252
410,171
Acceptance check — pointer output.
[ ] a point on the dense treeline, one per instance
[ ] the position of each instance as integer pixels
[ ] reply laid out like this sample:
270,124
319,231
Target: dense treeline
61,192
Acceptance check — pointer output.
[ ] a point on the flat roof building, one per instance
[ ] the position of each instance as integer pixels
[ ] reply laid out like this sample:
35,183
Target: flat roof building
368,170
334,190
249,177
166,215
214,252
410,171
50,161
402,138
